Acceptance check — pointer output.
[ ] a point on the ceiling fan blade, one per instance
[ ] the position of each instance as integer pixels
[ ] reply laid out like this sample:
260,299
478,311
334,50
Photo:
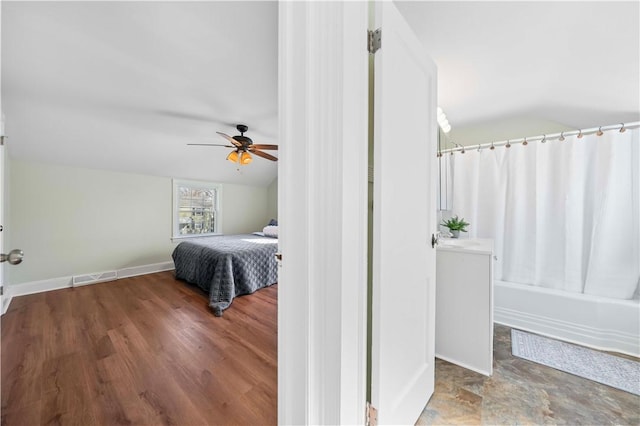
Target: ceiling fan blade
211,144
260,146
230,139
264,155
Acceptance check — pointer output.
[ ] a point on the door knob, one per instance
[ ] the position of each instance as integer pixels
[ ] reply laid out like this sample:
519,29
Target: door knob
14,257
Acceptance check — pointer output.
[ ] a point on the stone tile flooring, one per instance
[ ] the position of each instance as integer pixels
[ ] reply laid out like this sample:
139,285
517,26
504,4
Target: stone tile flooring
522,392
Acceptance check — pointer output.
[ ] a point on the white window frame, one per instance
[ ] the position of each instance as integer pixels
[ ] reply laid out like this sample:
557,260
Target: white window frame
175,235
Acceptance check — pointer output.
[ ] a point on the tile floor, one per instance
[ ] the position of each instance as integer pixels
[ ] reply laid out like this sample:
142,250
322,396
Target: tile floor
522,392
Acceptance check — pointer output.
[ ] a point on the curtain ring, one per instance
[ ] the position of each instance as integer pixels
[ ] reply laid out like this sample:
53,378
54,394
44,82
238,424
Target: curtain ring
544,139
508,145
492,147
525,143
561,136
478,147
600,132
580,134
622,129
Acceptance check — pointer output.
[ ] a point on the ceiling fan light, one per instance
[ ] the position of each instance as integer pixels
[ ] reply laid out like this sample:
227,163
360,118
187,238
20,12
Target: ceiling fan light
245,158
233,156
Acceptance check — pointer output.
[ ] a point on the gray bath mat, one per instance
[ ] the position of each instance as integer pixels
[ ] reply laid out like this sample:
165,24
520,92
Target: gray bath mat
617,372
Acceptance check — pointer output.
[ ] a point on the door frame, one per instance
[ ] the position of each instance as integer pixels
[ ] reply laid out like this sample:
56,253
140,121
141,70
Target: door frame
322,204
4,300
3,183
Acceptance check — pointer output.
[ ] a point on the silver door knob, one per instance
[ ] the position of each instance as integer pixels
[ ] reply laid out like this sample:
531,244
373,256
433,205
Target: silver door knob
14,257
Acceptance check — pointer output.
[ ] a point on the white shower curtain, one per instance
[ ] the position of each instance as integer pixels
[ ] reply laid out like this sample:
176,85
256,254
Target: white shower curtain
563,215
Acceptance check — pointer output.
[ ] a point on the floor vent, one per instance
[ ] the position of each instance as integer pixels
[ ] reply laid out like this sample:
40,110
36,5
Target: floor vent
100,277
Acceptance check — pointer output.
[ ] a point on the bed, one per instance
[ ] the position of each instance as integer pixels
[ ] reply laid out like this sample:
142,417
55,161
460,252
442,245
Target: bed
227,266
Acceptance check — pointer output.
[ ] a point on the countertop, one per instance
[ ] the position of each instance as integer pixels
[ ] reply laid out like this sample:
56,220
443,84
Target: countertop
467,245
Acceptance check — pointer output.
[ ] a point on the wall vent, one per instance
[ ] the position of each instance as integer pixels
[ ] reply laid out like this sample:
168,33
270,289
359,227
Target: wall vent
99,277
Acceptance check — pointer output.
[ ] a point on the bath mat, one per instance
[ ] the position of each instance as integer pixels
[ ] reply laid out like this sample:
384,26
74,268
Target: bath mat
617,372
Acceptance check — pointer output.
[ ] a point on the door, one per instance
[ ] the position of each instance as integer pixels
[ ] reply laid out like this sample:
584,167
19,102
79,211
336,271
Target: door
13,257
403,306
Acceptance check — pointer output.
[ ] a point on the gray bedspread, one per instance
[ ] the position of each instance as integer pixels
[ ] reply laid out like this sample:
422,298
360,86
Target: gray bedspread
226,266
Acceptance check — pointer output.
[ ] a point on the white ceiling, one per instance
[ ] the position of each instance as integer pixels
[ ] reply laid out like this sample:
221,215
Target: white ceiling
510,67
126,85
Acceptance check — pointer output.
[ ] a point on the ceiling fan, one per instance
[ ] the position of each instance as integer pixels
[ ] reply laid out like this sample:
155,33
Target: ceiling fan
243,147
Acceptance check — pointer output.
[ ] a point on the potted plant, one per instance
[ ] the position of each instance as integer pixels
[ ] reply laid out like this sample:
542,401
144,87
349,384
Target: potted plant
455,225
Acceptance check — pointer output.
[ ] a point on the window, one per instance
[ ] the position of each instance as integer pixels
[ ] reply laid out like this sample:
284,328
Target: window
196,209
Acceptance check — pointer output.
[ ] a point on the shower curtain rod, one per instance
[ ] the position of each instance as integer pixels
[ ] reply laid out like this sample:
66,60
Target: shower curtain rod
541,138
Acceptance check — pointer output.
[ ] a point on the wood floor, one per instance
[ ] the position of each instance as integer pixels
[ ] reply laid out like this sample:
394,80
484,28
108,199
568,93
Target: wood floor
141,350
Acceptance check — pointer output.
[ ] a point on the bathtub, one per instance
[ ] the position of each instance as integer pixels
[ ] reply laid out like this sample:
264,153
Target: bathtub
594,321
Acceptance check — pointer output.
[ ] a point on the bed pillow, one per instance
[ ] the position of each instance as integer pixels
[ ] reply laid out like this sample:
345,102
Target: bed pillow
270,231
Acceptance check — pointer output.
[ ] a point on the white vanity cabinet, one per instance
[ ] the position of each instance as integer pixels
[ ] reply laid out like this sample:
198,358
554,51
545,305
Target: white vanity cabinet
464,303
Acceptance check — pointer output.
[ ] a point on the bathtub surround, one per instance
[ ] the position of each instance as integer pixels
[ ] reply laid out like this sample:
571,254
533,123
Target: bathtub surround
610,370
594,321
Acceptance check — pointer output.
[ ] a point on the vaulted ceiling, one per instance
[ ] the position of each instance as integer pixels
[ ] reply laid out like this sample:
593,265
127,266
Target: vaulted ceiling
126,86
516,69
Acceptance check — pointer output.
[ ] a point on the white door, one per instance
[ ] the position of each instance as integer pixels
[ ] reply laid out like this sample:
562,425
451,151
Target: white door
405,134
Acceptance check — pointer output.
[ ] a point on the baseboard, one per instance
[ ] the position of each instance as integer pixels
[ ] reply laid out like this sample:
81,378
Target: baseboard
145,269
33,287
607,340
464,365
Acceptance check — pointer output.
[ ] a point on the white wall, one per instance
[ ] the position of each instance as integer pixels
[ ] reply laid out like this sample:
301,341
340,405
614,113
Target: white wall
243,208
72,221
503,129
272,199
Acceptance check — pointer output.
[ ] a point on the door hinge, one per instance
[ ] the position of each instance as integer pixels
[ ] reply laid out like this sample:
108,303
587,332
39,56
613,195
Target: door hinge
2,140
1,290
374,40
371,415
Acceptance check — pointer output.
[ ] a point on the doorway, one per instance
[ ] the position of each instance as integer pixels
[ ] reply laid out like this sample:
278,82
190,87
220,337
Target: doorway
323,209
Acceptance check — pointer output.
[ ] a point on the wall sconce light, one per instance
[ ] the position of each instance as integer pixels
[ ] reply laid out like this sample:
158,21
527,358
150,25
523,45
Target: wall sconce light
443,122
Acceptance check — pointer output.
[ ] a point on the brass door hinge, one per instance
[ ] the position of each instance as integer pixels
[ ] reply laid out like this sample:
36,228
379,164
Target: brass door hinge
371,415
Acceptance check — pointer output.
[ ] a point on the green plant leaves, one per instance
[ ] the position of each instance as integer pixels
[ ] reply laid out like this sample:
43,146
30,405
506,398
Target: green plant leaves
456,224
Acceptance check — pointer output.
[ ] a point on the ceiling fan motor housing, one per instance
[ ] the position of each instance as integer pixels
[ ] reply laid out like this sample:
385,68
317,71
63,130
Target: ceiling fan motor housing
245,141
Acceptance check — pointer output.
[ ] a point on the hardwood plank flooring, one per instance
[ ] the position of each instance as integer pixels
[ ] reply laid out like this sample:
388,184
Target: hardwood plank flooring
140,350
